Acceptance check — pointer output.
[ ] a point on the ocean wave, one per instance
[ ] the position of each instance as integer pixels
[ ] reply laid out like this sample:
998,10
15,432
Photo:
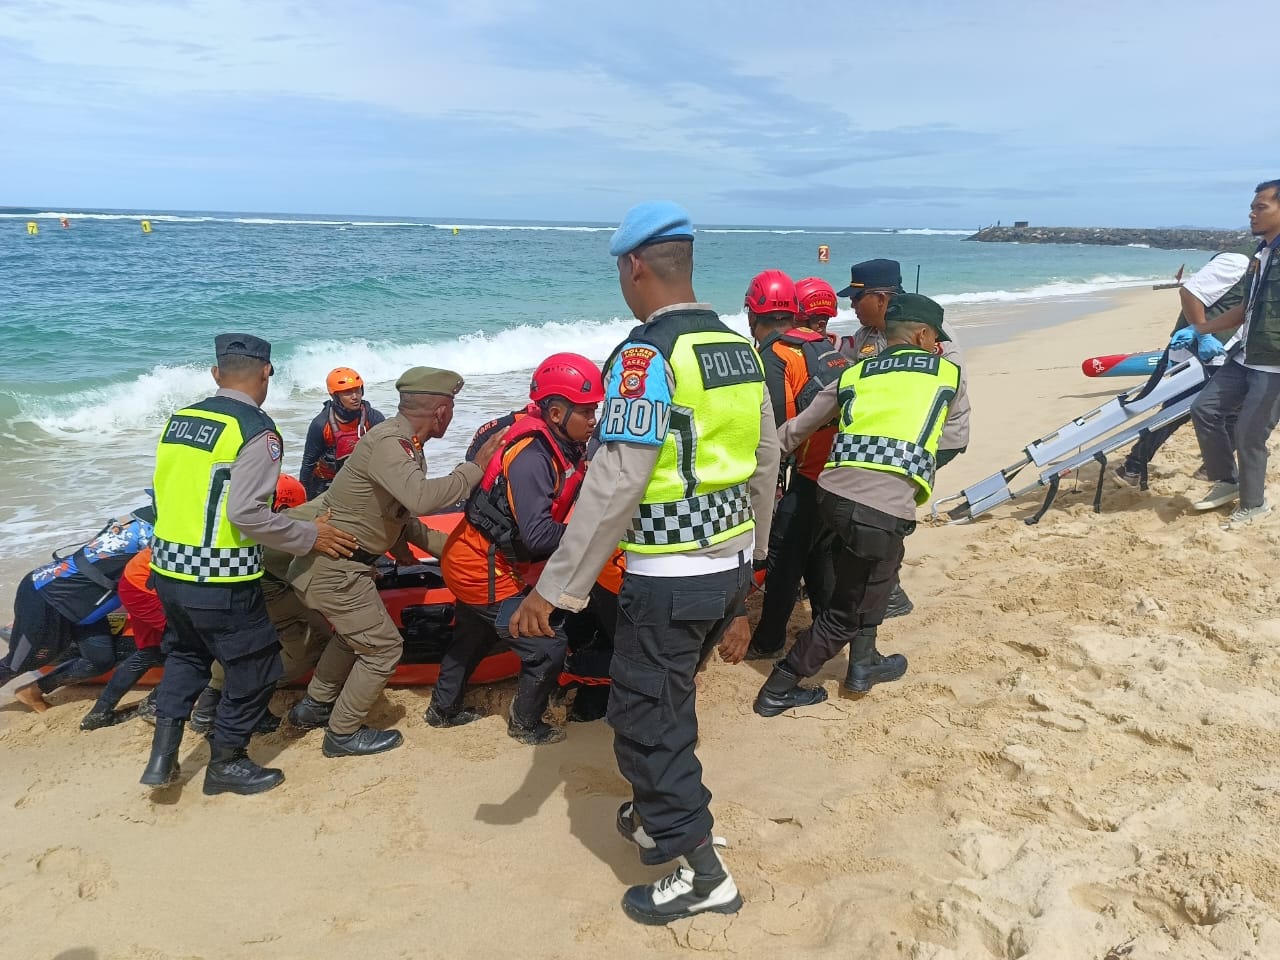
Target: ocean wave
497,362
1047,291
515,226
931,232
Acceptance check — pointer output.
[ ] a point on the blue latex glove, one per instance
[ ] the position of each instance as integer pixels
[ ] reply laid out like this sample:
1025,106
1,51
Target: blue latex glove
1208,347
1184,339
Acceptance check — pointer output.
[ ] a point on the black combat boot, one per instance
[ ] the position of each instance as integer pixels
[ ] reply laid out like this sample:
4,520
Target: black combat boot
700,884
308,714
436,717
535,733
362,743
162,769
269,723
899,603
205,710
866,665
101,716
231,771
146,709
782,691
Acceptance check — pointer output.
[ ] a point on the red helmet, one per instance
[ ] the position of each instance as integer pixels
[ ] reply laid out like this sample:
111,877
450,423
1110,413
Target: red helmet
815,295
568,375
771,292
342,378
289,493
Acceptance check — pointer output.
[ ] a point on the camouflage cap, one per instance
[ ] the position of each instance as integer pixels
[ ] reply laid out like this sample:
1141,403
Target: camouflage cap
914,306
444,383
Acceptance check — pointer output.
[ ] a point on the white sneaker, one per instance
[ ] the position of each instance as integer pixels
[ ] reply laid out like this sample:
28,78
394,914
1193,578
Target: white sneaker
1245,516
677,896
1219,495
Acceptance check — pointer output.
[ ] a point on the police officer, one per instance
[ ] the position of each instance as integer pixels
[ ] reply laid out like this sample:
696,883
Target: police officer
377,497
892,408
872,285
684,478
798,363
210,521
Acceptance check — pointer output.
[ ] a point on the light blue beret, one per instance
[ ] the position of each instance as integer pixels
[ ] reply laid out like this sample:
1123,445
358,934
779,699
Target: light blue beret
650,222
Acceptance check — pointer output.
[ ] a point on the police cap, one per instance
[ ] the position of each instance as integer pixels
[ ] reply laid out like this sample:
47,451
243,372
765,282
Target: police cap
443,383
873,275
241,345
655,221
918,308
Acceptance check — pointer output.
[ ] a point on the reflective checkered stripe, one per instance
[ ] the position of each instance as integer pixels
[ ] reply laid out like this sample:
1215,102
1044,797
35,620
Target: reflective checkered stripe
695,521
224,564
898,456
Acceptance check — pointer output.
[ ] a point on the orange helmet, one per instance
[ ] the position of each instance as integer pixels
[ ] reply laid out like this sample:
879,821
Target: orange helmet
342,378
289,492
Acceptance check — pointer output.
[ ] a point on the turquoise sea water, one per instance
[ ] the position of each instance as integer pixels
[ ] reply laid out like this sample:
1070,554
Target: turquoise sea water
107,329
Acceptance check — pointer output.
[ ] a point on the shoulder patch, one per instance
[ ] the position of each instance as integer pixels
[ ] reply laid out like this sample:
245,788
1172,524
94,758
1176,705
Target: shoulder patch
407,446
274,446
637,402
635,370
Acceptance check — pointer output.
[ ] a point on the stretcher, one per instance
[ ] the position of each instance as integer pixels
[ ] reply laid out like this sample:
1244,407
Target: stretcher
1167,395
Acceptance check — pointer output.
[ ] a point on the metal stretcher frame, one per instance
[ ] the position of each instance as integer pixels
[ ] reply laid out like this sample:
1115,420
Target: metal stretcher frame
1118,422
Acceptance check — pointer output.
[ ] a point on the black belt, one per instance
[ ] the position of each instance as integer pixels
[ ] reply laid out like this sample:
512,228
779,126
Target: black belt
365,557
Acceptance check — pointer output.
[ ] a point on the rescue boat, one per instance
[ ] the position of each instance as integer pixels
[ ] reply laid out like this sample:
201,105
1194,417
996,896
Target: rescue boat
422,607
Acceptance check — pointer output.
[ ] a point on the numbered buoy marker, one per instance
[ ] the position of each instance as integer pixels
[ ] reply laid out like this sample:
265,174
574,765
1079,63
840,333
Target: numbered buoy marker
455,231
824,253
66,224
32,228
146,226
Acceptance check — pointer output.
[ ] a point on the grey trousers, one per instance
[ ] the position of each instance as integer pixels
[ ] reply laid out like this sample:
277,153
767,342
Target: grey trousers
1254,398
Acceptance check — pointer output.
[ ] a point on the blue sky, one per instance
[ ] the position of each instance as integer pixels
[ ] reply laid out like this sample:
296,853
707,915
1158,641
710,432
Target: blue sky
819,113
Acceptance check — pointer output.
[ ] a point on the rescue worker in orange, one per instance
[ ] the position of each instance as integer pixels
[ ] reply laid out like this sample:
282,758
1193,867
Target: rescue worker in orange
798,364
344,419
513,522
817,302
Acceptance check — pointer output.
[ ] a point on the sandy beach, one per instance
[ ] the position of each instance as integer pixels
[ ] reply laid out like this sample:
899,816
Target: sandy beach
1075,766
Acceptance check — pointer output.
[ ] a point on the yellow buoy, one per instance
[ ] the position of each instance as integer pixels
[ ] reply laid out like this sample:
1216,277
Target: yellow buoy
455,231
32,227
824,253
146,226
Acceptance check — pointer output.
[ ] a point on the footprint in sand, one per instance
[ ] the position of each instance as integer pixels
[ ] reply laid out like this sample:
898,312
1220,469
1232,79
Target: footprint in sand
71,871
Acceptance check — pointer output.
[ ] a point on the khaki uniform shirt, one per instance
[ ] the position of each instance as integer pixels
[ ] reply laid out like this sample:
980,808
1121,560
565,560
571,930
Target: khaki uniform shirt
379,494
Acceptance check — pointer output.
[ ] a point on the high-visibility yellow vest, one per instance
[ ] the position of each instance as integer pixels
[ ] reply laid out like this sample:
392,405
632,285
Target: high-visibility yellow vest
193,538
697,494
892,409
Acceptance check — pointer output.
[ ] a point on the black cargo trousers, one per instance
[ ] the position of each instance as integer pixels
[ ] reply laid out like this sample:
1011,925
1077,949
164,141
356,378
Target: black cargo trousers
868,554
666,627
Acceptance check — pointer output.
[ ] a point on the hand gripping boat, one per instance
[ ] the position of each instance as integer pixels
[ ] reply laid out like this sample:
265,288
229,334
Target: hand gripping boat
1166,396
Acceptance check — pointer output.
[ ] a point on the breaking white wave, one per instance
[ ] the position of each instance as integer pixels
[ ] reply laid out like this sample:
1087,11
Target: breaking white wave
1047,291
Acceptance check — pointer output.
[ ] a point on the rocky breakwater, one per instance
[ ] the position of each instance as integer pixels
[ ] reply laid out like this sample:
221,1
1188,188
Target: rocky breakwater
1177,238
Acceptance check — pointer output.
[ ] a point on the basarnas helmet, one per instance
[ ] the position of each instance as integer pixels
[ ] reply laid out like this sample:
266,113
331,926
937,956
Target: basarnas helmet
815,296
568,375
341,379
771,291
289,492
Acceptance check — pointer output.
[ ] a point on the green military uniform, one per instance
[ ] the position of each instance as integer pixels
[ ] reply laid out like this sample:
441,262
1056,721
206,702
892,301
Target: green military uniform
377,497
